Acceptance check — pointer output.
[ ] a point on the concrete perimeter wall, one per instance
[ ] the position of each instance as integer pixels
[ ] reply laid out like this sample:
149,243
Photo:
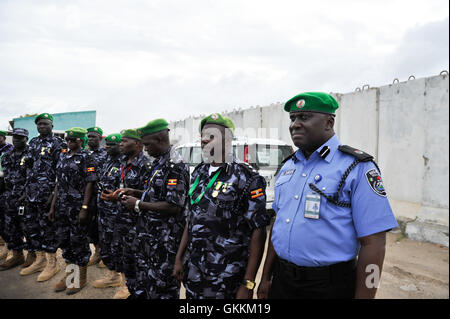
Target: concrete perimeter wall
404,125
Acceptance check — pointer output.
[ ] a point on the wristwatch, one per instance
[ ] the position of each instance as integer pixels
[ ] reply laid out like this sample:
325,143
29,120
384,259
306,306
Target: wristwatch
136,206
250,285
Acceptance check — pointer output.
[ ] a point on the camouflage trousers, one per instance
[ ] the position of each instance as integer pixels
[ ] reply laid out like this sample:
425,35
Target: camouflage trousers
72,237
124,236
203,286
107,215
14,224
154,268
40,232
2,217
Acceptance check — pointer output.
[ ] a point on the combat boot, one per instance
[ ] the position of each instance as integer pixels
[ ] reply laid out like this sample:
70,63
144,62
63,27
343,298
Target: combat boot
111,279
95,258
61,285
122,292
50,269
82,280
31,257
101,264
38,265
16,259
4,252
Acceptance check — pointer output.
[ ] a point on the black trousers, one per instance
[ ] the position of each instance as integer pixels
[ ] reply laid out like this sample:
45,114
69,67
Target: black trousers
332,282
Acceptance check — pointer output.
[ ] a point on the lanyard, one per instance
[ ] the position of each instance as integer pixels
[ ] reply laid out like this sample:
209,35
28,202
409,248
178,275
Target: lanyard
194,186
122,177
155,171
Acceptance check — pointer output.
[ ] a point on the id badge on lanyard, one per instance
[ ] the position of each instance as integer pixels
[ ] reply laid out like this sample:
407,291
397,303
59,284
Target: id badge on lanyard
312,206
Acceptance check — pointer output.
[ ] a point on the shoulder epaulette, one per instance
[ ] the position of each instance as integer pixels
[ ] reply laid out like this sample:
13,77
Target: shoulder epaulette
358,154
248,167
288,158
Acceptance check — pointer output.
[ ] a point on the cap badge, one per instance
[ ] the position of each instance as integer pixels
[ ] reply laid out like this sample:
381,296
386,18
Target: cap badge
214,117
300,103
113,138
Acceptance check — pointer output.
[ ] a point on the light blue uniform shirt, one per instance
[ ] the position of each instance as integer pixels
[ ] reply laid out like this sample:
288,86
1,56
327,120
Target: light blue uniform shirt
334,236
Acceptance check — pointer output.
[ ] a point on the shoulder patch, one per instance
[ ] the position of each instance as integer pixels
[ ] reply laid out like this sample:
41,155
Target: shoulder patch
375,182
360,155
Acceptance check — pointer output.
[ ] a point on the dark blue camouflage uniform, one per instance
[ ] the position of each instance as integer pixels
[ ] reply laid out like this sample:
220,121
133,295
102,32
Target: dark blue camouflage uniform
42,157
15,175
73,172
135,176
99,159
220,228
5,148
109,177
159,234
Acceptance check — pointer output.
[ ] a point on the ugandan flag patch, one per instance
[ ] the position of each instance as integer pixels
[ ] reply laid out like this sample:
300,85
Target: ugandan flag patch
91,169
256,193
172,182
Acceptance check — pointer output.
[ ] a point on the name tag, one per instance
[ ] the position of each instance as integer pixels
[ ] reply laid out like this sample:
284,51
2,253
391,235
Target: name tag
288,172
312,206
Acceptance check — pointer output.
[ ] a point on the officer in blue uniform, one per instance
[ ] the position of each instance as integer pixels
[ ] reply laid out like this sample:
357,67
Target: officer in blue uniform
331,207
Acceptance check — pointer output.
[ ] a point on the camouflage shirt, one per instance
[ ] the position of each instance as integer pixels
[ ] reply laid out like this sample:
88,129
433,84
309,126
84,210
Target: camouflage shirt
109,173
220,226
15,172
73,173
42,157
99,157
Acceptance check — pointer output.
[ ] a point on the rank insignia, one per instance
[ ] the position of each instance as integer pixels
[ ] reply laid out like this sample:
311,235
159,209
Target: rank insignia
172,182
256,193
375,182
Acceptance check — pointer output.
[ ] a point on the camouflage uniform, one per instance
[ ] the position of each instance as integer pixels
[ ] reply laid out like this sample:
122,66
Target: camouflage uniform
99,158
15,177
5,148
133,175
159,234
109,177
42,157
73,173
220,226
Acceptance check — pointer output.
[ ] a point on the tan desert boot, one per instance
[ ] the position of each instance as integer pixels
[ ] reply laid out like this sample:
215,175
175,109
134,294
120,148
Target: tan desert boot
38,265
4,252
95,258
111,279
61,285
101,264
50,269
122,292
16,259
82,280
31,257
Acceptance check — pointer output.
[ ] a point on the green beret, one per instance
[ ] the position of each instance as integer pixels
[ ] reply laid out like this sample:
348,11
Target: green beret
153,127
76,132
218,119
130,133
46,116
114,138
95,129
312,102
2,133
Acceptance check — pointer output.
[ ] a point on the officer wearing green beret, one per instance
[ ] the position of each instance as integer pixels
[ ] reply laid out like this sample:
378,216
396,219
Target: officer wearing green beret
331,207
223,241
98,154
76,176
159,209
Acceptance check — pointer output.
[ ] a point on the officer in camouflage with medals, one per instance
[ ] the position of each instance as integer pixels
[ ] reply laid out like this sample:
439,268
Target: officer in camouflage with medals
98,155
109,179
223,241
159,210
42,157
15,175
133,174
76,175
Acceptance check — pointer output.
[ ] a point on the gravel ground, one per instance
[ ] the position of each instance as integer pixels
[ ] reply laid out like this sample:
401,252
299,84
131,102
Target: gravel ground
412,270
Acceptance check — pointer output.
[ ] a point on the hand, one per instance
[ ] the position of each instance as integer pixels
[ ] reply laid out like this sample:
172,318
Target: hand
108,195
264,288
129,202
51,215
178,270
244,293
83,217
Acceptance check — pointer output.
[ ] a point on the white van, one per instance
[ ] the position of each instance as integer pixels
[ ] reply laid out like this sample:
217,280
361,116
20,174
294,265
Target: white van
265,155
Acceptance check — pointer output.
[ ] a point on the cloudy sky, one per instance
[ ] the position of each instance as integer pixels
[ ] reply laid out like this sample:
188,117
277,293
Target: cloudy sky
137,60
